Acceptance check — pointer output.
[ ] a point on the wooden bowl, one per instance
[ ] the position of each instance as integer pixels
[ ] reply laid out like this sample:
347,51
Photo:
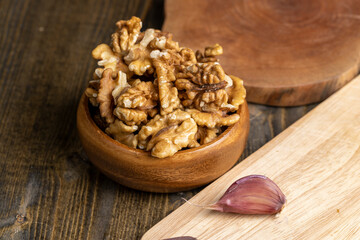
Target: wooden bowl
185,170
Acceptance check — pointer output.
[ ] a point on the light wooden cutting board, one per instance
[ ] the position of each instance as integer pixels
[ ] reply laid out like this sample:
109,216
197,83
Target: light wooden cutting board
316,162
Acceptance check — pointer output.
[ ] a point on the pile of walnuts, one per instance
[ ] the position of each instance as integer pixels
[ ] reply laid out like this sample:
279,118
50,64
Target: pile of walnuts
153,95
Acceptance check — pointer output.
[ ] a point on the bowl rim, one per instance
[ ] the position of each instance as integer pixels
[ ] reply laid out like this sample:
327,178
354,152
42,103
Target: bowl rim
139,152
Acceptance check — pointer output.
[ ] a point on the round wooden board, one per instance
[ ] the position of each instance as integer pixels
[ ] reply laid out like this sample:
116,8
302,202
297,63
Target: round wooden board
288,52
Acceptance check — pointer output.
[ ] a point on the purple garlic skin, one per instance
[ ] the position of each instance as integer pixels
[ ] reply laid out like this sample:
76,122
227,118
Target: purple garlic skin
254,194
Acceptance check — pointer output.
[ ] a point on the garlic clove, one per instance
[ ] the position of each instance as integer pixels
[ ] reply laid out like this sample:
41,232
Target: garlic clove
254,194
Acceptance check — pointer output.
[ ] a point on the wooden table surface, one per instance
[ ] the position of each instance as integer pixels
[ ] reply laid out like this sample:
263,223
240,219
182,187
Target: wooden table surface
48,188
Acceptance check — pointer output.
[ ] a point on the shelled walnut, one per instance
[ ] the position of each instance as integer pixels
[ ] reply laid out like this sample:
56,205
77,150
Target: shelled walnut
153,95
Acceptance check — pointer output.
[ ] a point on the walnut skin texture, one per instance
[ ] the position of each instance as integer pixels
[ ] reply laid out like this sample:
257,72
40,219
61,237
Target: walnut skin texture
154,95
168,133
168,94
104,96
126,35
171,139
123,133
141,96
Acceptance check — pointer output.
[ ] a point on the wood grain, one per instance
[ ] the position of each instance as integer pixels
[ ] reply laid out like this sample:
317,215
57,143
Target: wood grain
289,53
45,64
314,162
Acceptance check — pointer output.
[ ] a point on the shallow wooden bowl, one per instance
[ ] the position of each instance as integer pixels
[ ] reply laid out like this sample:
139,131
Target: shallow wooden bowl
185,170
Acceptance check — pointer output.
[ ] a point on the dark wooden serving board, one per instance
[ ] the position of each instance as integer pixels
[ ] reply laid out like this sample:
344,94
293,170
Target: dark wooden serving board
288,52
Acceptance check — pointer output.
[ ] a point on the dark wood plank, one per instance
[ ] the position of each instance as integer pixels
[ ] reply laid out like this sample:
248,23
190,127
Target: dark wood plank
48,188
